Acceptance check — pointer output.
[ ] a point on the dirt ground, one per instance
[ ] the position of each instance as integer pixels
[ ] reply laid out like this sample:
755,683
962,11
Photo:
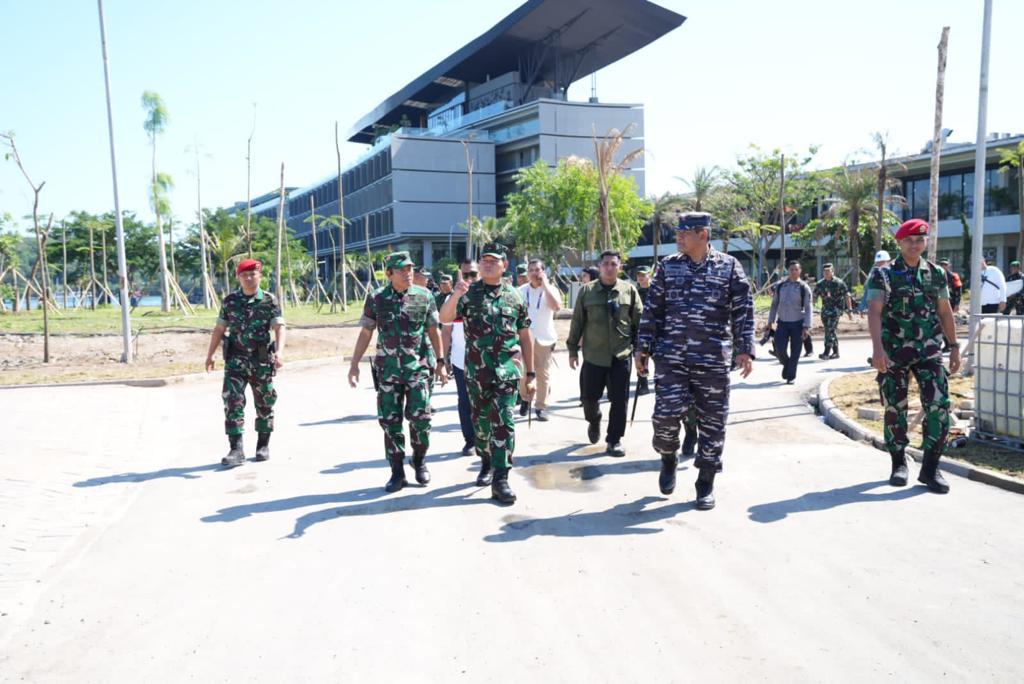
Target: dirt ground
860,389
77,358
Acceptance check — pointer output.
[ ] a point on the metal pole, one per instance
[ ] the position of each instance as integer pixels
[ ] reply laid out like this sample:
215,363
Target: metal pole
977,238
122,262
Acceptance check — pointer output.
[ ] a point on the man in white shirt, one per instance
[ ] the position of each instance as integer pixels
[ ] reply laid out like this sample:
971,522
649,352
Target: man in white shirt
542,301
453,339
993,288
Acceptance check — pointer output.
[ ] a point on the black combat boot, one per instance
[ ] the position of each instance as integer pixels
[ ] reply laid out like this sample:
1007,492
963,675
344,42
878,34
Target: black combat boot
899,475
419,454
263,446
667,478
483,478
594,431
824,355
236,456
835,352
397,480
500,490
706,489
689,441
930,475
524,408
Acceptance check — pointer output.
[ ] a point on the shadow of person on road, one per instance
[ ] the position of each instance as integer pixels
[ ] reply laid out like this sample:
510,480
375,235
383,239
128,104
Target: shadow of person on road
822,501
233,513
129,478
342,420
626,518
383,463
430,498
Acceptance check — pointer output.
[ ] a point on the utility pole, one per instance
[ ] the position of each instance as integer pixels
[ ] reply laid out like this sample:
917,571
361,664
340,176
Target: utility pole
977,238
122,262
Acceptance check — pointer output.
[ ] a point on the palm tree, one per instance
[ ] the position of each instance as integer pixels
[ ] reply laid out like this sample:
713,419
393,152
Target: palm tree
1013,158
852,193
225,244
666,208
155,124
703,183
605,150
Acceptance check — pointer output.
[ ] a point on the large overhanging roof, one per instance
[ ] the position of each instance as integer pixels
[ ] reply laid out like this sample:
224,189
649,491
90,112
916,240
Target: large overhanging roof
562,40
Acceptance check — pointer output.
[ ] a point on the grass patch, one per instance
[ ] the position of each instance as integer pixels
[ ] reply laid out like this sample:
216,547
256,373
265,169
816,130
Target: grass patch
107,319
860,389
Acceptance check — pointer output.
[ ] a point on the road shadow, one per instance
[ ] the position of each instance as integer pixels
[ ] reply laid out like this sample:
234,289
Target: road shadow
131,478
757,385
233,513
341,421
383,463
767,418
622,519
847,369
429,498
823,501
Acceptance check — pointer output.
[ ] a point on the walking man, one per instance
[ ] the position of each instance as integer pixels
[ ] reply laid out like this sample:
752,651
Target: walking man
643,287
993,288
956,291
453,337
699,317
250,358
497,328
408,348
444,288
909,315
835,299
543,300
606,317
1014,302
792,305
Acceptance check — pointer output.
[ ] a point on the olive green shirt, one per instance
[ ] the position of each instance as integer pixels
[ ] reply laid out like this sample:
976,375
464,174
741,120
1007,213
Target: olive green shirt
605,320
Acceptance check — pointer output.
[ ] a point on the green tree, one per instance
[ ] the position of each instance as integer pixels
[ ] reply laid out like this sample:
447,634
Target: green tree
1013,158
703,183
154,124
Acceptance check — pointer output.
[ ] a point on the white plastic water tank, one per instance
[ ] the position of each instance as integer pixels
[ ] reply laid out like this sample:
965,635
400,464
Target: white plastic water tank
999,376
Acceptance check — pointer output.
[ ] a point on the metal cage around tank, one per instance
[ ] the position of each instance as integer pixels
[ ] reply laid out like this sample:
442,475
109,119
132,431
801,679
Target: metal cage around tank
999,379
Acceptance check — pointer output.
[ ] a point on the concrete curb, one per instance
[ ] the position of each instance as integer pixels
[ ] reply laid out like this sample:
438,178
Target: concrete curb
838,421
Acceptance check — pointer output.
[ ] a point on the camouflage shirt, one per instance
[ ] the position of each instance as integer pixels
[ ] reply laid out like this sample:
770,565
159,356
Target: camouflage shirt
402,320
492,316
833,295
249,320
910,314
697,312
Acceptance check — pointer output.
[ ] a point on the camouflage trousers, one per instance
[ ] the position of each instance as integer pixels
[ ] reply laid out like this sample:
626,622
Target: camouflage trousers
931,381
260,378
411,400
830,321
1014,306
678,390
492,407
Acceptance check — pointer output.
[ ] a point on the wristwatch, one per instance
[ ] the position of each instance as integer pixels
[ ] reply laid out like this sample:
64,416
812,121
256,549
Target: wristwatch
530,374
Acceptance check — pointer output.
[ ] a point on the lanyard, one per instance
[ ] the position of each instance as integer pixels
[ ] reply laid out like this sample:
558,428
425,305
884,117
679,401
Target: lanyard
540,296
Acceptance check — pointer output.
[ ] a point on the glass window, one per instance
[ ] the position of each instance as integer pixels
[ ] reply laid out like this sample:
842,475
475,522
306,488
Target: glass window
920,206
1002,192
949,196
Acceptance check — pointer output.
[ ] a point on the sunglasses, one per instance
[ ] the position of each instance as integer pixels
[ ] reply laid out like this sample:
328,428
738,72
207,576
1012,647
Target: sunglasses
469,274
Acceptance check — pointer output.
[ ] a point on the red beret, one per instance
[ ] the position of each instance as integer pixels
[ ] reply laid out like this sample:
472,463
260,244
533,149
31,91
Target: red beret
248,265
912,227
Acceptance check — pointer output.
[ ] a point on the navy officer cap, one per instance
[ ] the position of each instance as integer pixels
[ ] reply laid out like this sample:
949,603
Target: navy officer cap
693,220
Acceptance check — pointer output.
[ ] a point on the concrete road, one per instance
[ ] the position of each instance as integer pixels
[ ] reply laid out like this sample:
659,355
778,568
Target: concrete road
127,555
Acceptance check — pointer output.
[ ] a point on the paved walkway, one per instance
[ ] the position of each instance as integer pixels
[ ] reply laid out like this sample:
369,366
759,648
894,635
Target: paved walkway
126,555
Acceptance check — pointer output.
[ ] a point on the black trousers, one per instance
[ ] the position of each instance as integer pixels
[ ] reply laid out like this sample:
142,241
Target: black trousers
788,344
989,308
465,418
596,379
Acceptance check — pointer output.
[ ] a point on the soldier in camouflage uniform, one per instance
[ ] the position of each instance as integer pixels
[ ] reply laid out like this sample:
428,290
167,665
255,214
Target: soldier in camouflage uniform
835,299
497,328
700,307
250,358
408,349
909,315
1015,302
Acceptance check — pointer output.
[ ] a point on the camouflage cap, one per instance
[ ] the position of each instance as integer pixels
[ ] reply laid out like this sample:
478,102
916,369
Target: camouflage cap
521,269
646,270
398,260
495,250
945,262
423,270
445,278
693,220
1015,263
827,264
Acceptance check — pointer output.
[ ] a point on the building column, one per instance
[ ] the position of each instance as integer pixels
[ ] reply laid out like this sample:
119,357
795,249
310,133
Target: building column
428,253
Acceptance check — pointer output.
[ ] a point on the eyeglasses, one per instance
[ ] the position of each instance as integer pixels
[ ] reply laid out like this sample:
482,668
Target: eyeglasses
469,274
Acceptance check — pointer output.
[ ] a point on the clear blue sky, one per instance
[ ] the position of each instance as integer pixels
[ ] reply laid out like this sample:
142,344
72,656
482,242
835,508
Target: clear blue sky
787,74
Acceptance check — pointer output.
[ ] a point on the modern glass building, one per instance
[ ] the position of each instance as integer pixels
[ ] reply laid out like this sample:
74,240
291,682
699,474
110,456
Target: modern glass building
450,142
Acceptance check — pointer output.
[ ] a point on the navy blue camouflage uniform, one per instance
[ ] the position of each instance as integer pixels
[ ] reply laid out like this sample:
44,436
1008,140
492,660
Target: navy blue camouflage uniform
696,314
